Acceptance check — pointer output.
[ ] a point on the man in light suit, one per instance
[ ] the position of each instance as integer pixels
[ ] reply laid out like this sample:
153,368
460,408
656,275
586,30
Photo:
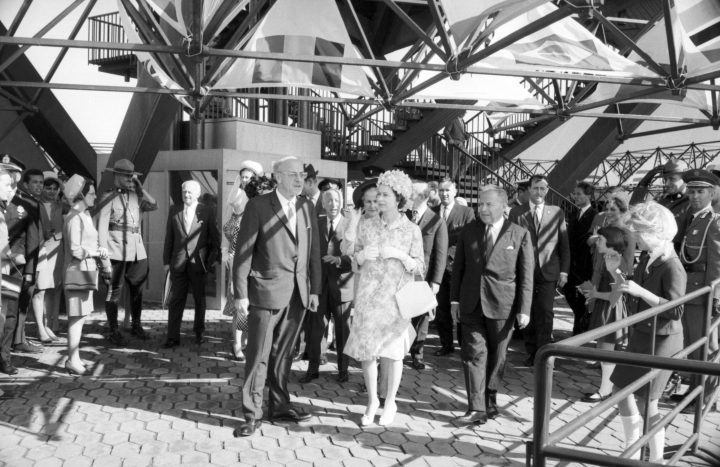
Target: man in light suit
548,232
337,291
456,217
581,262
493,269
435,245
192,244
277,276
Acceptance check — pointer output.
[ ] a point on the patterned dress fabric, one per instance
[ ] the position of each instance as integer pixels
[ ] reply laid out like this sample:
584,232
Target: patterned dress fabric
377,328
230,230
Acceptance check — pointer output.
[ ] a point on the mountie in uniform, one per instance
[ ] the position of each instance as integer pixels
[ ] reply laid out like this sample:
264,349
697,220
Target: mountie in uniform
120,231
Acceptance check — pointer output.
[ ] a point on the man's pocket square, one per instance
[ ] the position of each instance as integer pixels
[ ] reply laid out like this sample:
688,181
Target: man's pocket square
510,247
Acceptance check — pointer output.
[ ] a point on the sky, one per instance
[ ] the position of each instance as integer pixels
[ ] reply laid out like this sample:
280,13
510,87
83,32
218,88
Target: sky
97,114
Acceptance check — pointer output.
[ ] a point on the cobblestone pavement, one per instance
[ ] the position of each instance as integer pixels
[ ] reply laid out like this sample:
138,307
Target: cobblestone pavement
146,405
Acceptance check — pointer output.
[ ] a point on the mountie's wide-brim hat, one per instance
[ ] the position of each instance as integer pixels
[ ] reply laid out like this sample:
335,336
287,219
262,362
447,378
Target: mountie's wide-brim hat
123,167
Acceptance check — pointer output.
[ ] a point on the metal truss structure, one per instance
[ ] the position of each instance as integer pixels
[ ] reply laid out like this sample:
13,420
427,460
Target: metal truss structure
198,61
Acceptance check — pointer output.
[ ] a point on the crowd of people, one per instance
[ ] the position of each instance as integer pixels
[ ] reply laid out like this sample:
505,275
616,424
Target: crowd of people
298,259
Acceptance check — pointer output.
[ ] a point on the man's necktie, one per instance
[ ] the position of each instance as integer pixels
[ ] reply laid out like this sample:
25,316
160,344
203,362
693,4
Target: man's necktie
291,217
536,217
186,218
444,213
331,230
488,242
415,216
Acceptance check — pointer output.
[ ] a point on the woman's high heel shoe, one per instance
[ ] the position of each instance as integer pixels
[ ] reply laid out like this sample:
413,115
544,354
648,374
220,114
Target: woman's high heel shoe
388,413
75,370
369,416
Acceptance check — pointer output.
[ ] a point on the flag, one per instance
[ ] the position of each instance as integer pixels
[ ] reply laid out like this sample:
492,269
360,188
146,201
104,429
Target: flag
295,27
699,24
476,19
562,46
654,43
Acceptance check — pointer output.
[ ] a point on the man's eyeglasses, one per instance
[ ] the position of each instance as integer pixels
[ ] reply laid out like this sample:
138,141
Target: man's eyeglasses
300,175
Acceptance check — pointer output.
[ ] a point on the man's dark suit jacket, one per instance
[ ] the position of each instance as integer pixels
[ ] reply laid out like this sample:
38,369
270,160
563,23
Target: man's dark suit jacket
581,263
458,218
506,278
22,216
269,261
435,245
550,241
199,246
336,280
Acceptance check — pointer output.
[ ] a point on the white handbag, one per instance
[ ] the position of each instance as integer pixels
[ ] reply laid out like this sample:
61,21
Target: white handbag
415,298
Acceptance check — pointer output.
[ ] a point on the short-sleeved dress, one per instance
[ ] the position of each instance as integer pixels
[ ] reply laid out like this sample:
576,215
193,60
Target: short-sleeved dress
81,238
377,328
50,266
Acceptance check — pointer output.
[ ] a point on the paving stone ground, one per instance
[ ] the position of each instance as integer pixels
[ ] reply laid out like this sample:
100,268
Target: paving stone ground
146,405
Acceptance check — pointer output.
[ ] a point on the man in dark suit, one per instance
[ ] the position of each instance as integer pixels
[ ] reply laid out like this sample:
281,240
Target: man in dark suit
192,244
337,291
581,262
456,217
277,276
435,245
493,269
548,232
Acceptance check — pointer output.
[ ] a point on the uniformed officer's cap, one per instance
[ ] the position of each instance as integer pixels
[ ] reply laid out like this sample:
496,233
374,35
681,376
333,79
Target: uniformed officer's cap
697,178
674,167
9,163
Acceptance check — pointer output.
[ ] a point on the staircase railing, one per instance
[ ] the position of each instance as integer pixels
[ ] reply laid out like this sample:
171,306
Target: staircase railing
106,28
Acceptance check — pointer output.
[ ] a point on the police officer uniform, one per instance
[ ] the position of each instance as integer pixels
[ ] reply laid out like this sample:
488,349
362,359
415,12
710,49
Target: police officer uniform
119,230
677,203
700,256
23,225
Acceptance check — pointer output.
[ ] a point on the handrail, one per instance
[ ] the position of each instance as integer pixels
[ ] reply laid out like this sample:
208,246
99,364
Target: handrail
543,445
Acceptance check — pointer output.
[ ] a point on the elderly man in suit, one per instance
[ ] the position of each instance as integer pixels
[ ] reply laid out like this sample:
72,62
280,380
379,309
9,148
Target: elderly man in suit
435,245
456,217
192,245
277,276
548,232
581,262
493,269
337,291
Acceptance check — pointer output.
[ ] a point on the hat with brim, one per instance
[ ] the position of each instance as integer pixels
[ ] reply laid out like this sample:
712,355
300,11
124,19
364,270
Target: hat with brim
361,189
123,167
698,178
675,166
252,166
10,164
73,187
50,176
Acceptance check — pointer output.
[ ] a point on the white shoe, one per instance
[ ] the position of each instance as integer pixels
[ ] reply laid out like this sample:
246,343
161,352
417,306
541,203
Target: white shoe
388,414
368,417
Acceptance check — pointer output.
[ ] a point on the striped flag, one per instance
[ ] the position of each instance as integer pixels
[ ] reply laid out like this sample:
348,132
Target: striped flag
323,35
561,46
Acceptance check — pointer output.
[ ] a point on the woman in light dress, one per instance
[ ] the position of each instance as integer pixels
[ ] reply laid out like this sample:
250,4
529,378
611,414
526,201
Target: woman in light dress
81,253
389,253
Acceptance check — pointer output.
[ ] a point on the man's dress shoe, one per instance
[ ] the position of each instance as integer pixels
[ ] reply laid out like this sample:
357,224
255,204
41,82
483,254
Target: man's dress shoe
473,417
199,339
292,415
138,332
443,352
170,343
309,376
8,368
418,364
343,377
248,428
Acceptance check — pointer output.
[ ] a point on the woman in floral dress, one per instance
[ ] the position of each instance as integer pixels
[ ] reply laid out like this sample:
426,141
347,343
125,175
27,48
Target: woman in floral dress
246,182
389,253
